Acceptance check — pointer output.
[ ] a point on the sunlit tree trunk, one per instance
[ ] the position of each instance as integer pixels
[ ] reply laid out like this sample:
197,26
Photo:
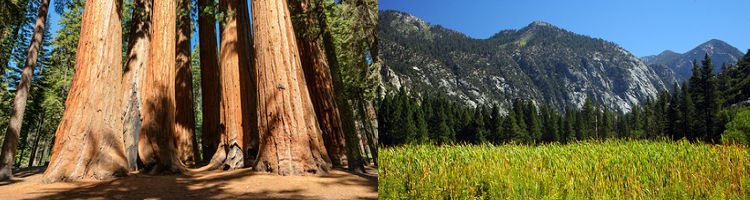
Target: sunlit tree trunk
234,64
158,91
319,82
22,93
183,90
353,155
136,63
210,80
89,138
290,139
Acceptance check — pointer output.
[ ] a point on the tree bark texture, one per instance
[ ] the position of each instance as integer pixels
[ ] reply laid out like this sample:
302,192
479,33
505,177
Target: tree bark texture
353,155
22,93
136,63
210,80
248,87
234,61
290,139
183,91
89,141
158,91
319,82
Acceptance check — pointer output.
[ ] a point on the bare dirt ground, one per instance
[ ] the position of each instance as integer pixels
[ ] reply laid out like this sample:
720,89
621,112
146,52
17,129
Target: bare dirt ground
237,184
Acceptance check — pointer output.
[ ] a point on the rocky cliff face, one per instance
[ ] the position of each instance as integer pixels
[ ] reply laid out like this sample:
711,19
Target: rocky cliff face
541,63
682,64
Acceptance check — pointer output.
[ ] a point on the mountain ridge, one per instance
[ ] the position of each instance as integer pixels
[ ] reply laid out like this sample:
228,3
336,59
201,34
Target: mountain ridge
681,63
540,62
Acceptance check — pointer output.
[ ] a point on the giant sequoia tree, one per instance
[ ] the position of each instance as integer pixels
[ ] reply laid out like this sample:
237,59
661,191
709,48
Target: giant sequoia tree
184,124
290,139
89,138
235,128
19,103
158,95
210,78
264,104
132,81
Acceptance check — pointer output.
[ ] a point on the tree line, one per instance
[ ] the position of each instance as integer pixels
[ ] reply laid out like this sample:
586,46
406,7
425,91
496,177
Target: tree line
697,110
128,91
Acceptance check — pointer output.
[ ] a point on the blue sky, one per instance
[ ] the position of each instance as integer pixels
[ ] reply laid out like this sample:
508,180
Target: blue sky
643,27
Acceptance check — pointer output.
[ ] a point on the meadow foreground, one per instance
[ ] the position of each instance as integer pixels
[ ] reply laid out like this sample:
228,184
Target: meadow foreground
615,169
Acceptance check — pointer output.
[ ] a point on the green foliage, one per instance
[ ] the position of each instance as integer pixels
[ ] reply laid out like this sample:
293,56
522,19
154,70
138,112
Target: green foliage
738,130
49,87
614,169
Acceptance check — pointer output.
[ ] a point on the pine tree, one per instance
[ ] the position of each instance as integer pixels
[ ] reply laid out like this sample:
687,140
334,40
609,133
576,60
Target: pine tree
673,129
511,129
687,120
496,128
421,135
477,131
697,94
11,136
520,119
587,127
710,105
533,124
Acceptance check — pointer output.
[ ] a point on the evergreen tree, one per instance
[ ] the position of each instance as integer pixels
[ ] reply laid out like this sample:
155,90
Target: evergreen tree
496,128
421,135
520,118
550,133
478,130
533,124
589,120
687,121
710,105
673,129
511,129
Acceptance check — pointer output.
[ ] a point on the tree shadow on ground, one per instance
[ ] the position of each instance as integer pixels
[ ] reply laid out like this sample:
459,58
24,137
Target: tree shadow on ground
236,184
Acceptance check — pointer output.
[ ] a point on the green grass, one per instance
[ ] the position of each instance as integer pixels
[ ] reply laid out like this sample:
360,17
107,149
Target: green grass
613,169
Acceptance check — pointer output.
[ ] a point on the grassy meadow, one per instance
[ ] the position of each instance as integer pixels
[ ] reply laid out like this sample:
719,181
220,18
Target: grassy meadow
614,169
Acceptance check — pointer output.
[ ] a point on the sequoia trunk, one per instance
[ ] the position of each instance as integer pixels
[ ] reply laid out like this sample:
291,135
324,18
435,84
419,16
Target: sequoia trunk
22,93
290,139
183,91
132,81
210,80
319,82
158,91
233,68
89,138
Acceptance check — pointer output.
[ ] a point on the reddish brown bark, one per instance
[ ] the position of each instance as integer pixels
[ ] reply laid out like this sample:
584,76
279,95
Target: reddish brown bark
290,139
132,81
248,81
158,95
10,144
183,91
234,129
210,80
319,82
89,138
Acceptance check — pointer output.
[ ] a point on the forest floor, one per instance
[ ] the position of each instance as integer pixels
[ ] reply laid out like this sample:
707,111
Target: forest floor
237,184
